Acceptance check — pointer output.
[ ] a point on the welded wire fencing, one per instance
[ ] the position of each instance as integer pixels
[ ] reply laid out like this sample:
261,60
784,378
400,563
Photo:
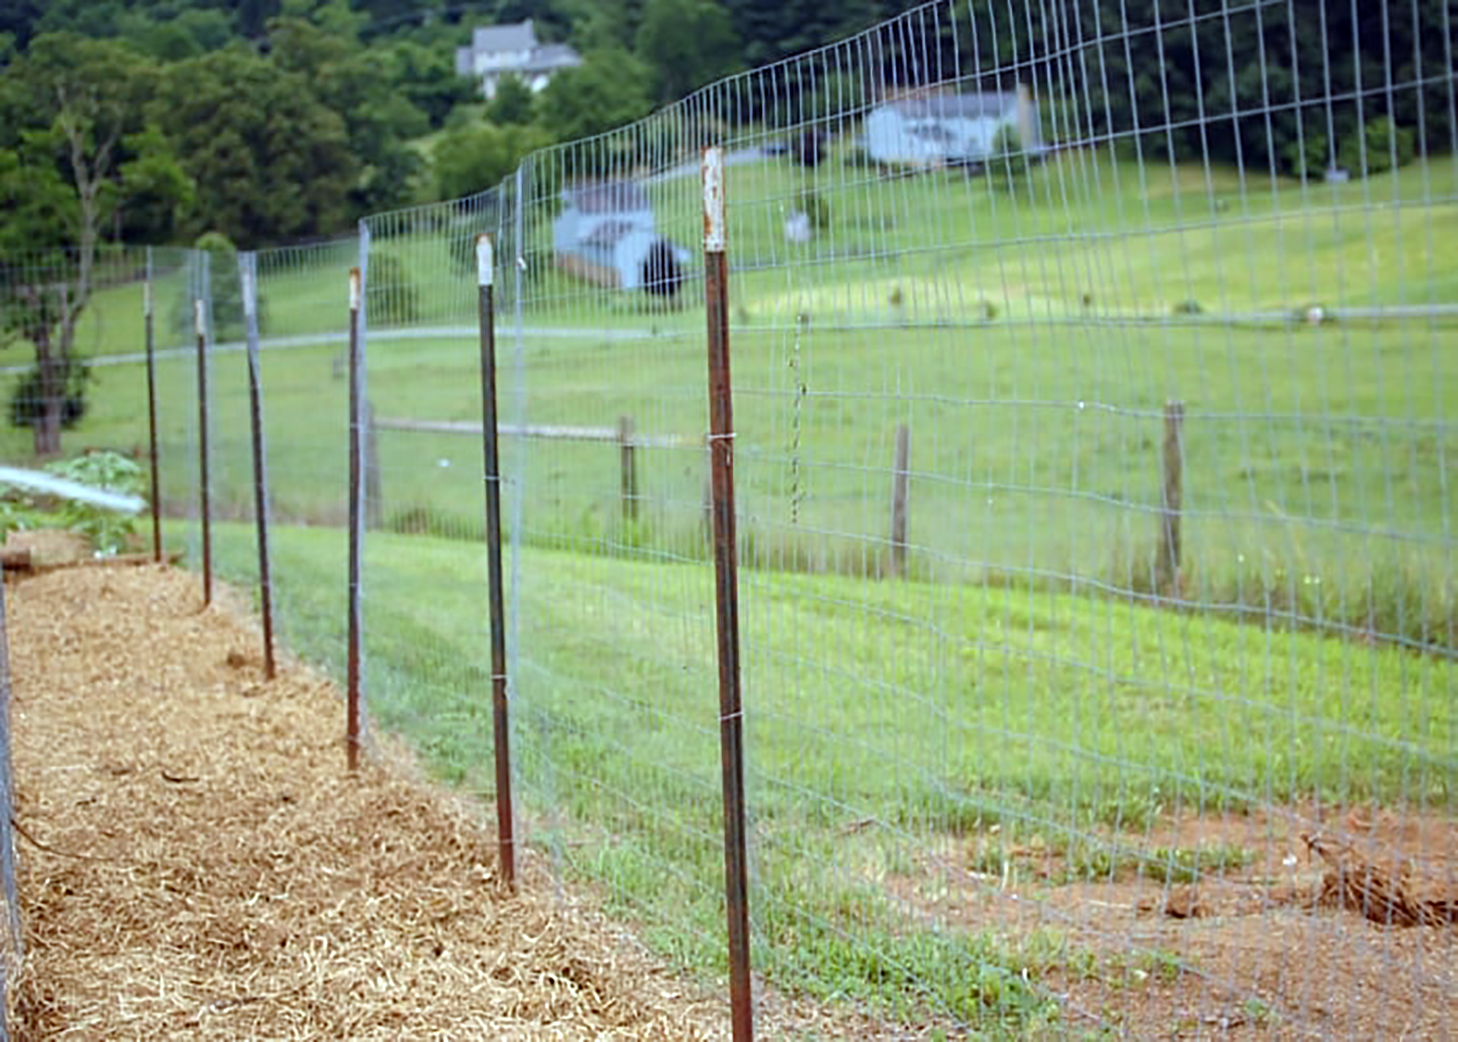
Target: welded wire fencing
1091,464
1119,347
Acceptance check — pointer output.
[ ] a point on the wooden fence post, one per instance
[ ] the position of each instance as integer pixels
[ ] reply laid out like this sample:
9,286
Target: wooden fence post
900,483
1167,563
630,469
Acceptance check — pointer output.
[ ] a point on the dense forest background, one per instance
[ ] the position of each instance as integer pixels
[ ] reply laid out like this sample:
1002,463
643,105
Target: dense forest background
272,121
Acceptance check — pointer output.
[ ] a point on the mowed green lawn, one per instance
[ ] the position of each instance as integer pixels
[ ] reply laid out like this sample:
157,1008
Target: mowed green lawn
929,710
1316,460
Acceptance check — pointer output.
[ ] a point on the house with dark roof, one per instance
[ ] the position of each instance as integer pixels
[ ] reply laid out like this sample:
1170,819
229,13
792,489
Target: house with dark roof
496,51
937,129
606,234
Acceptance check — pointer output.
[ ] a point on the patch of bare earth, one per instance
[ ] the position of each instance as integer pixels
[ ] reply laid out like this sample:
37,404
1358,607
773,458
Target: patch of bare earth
198,864
1305,937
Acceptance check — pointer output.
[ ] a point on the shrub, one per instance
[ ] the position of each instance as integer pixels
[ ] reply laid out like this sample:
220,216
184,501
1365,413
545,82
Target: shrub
815,208
27,404
809,149
394,296
1386,146
226,292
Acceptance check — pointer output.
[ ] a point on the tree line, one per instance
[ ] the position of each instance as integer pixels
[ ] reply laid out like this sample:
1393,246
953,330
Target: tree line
279,120
270,121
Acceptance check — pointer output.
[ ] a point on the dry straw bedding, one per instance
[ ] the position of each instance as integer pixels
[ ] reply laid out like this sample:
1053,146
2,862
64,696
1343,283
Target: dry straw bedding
209,870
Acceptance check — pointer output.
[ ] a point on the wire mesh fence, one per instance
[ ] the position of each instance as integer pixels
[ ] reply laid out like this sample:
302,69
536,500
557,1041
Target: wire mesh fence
1092,378
1118,372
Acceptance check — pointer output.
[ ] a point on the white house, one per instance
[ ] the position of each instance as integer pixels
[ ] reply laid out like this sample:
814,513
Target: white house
948,128
606,234
512,50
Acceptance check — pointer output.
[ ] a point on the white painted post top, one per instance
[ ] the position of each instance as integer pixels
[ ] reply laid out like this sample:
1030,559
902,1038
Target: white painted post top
248,292
713,175
199,324
485,260
354,289
147,299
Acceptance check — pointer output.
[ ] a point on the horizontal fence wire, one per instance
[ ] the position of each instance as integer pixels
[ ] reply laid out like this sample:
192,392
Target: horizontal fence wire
1093,373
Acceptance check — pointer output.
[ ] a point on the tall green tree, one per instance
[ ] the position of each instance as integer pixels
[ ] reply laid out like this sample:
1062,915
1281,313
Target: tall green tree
687,43
378,119
426,77
72,113
270,160
513,104
474,159
608,90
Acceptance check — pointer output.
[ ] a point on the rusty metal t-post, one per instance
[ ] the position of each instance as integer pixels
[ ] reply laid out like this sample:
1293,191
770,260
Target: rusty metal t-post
731,713
200,327
248,277
506,850
150,325
353,711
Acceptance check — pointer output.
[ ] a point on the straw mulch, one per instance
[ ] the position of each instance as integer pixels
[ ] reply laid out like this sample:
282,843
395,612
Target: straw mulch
196,863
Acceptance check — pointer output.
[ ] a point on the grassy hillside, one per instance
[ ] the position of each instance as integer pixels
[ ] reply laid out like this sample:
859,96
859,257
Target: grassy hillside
1028,341
1314,459
935,711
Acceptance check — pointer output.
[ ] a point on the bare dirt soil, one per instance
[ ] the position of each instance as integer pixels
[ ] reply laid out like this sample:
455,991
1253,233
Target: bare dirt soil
197,863
1268,947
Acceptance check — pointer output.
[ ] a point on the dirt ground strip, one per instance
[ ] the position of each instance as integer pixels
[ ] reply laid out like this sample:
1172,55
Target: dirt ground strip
196,863
1260,949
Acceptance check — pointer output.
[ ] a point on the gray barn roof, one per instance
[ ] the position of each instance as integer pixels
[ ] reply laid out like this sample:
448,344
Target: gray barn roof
955,106
491,39
608,197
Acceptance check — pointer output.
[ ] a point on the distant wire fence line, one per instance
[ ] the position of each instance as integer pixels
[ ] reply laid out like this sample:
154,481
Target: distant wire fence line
1054,514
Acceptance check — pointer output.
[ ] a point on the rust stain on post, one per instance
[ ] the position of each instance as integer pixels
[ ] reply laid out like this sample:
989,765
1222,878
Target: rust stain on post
153,454
713,176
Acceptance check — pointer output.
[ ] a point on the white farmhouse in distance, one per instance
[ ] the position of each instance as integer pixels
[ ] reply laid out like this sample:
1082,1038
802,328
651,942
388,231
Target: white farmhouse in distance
512,50
949,128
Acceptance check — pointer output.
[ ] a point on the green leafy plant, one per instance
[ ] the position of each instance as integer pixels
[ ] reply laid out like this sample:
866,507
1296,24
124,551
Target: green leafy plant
107,530
15,516
1380,146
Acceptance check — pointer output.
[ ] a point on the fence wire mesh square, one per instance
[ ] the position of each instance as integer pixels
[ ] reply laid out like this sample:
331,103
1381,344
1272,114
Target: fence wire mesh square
1094,375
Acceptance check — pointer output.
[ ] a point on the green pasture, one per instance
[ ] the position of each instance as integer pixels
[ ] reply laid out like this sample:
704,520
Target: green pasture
1315,459
1085,238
